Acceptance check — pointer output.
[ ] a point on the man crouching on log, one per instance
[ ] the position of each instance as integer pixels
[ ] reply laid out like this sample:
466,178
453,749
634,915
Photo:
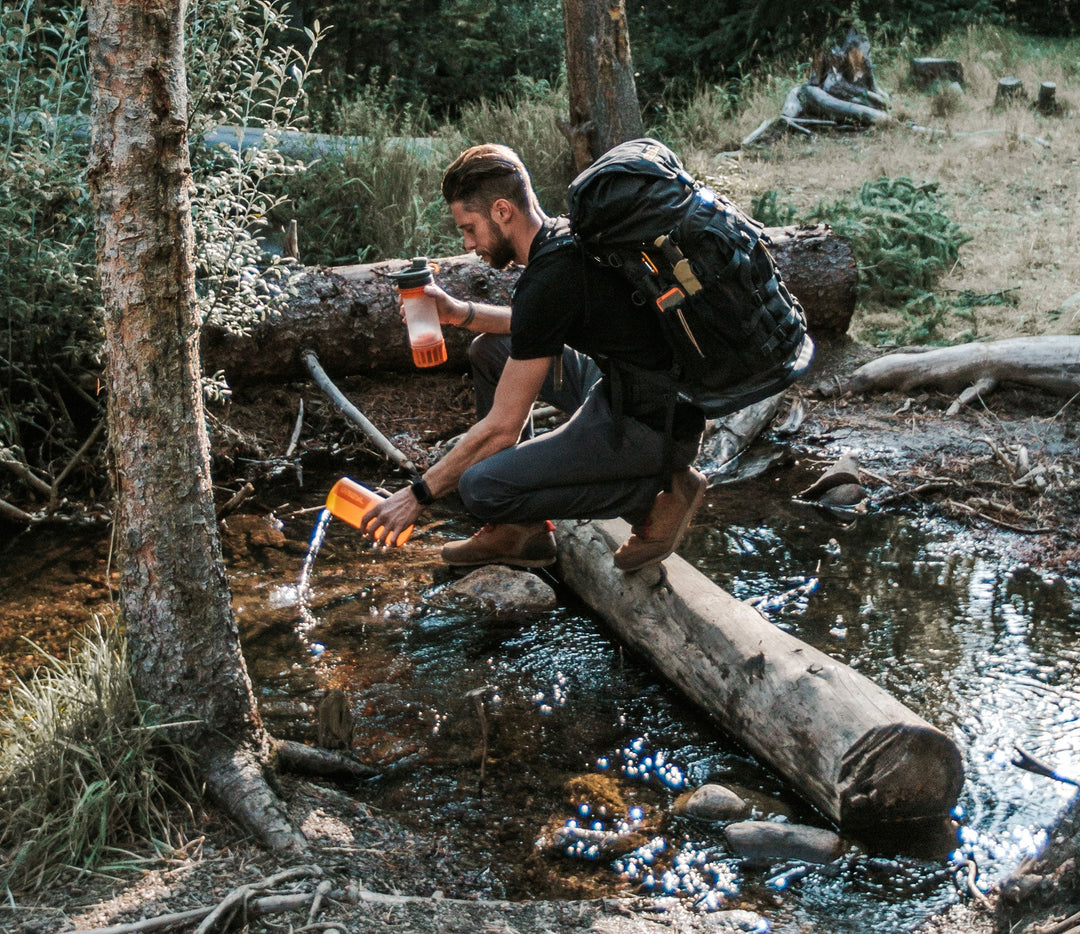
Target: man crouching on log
613,457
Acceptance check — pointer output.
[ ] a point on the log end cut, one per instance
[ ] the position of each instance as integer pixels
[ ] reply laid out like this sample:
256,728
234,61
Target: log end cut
899,773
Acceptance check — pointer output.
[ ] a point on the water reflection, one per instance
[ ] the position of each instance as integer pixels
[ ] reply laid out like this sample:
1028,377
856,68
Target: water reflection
985,651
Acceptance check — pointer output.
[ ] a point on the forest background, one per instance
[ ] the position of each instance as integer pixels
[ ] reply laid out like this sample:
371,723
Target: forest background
454,72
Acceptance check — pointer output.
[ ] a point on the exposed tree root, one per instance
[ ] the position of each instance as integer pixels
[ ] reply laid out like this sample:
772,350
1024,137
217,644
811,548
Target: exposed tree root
220,917
235,778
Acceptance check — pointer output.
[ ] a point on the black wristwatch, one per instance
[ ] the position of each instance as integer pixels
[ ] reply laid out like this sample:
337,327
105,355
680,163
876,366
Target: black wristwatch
421,492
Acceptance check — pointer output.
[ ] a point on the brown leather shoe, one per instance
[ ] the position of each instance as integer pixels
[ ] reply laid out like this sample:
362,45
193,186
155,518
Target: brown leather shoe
660,534
527,546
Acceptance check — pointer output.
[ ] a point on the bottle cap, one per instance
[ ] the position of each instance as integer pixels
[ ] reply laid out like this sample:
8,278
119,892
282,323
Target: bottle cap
419,274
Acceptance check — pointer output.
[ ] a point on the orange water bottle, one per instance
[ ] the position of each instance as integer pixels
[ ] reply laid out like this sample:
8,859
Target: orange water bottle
421,313
349,501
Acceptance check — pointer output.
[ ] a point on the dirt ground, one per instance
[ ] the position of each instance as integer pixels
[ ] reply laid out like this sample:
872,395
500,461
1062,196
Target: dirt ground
377,875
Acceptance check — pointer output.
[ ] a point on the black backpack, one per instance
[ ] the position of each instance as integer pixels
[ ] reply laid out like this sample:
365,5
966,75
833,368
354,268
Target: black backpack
737,334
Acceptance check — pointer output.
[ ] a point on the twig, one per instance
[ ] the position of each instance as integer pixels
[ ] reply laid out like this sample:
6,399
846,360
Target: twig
75,387
388,450
1025,760
296,431
268,905
1001,523
477,694
972,873
321,891
1065,926
981,387
14,512
234,501
931,486
23,472
1000,455
54,491
242,893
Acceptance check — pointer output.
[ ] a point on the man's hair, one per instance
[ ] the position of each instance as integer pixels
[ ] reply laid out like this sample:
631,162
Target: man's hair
482,175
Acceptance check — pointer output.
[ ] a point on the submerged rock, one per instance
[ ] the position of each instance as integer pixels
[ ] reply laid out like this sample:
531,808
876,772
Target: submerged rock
768,841
711,802
737,921
505,590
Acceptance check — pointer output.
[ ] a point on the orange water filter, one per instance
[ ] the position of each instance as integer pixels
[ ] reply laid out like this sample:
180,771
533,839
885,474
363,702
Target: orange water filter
421,314
350,502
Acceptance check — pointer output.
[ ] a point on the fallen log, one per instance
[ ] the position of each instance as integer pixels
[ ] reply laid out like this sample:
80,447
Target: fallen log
927,71
348,315
1050,363
857,754
820,103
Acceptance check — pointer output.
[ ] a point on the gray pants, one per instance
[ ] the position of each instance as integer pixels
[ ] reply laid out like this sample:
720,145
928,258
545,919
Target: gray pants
594,466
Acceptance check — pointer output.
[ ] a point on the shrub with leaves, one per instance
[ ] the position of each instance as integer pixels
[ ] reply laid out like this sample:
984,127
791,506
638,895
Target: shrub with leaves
49,317
85,769
241,73
904,240
244,70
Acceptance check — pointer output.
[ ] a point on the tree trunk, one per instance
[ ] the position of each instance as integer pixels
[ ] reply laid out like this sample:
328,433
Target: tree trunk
174,598
604,108
857,754
348,315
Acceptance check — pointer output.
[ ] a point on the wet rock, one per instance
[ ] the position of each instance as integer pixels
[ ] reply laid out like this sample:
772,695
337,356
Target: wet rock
711,802
737,921
253,531
767,841
505,590
838,486
335,720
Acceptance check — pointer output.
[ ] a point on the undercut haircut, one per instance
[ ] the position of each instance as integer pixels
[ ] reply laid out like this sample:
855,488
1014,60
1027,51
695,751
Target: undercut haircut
482,175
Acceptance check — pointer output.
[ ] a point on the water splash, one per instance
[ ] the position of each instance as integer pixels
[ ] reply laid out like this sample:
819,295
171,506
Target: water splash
303,585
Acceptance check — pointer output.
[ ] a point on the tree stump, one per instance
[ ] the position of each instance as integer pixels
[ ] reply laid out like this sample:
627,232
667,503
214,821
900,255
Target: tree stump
1009,90
926,71
1047,100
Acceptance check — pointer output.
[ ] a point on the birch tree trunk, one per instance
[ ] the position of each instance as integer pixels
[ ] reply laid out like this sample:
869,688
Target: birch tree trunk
604,108
174,598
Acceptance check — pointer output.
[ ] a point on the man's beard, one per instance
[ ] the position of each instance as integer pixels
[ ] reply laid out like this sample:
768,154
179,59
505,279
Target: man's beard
502,251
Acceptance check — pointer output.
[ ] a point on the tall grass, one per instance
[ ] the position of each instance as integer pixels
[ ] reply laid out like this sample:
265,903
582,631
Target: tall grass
85,770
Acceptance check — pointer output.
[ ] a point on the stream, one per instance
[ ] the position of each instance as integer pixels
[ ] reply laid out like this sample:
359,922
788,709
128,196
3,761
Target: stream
497,716
499,713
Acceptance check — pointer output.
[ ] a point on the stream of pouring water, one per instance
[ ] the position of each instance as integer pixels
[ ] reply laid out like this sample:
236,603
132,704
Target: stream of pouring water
303,585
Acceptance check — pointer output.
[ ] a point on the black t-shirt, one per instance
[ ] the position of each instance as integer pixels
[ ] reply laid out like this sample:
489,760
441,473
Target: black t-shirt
564,298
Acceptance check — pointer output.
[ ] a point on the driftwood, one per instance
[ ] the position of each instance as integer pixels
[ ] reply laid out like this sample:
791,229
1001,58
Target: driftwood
348,315
857,754
1050,363
841,90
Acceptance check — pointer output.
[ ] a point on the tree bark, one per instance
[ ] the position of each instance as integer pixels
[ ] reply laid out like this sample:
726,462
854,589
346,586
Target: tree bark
857,754
348,315
174,598
604,109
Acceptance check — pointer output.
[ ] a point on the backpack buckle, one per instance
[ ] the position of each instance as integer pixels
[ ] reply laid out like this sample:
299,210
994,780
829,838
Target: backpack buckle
671,299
